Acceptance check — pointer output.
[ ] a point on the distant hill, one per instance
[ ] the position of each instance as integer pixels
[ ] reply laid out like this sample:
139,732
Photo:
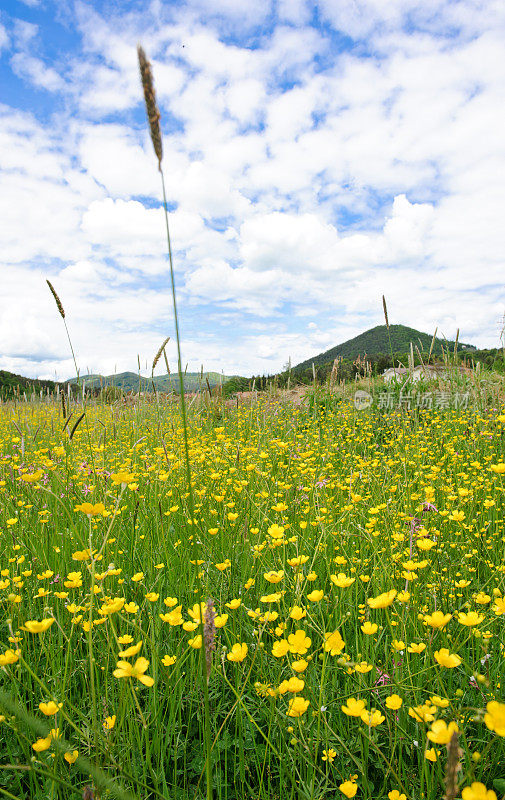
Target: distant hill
12,384
376,341
131,382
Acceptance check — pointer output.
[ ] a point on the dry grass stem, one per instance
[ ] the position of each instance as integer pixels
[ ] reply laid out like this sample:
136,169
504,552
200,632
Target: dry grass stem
166,362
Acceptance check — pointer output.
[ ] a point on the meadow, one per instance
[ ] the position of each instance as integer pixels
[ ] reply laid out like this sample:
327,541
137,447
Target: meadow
255,600
343,569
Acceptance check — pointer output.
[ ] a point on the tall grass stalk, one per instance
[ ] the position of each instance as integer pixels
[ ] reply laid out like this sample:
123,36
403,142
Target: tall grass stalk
61,310
153,116
385,308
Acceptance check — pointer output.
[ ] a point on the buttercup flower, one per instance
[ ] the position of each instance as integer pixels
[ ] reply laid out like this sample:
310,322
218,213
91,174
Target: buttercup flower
447,659
298,642
131,651
372,717
348,788
470,619
9,657
126,670
50,708
440,732
273,576
297,706
42,744
369,628
382,600
478,791
394,702
353,707
342,580
334,643
238,652
38,627
300,665
495,717
437,619
280,648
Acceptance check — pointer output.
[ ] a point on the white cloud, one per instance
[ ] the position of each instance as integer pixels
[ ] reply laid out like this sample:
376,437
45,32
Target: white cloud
24,32
43,195
361,18
297,243
306,181
4,39
36,72
296,12
238,15
114,157
405,231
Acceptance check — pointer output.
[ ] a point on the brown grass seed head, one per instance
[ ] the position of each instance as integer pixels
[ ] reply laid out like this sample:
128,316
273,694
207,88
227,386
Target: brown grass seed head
159,353
56,298
153,114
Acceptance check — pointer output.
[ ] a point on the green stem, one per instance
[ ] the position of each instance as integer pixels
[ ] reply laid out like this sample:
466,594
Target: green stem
207,736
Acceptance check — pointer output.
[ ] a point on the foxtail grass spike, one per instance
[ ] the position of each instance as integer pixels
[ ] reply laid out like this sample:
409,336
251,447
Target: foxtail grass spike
384,306
56,298
160,352
153,114
454,754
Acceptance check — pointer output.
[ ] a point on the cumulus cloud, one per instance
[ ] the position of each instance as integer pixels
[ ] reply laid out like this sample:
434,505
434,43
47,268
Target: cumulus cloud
36,72
4,38
304,180
298,243
361,18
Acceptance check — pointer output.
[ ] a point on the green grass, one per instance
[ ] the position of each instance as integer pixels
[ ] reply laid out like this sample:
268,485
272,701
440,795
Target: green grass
356,479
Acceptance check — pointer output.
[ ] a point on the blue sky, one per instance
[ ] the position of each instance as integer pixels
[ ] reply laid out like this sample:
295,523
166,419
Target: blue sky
317,155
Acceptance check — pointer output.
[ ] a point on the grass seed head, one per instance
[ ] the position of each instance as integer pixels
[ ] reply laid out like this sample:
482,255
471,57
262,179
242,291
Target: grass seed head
453,766
56,298
384,306
153,114
160,352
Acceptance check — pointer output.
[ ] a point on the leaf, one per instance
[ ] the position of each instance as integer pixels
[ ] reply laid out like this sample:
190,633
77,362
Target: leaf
76,424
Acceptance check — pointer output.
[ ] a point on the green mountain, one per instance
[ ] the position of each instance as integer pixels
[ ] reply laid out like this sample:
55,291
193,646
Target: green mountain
131,382
12,384
376,341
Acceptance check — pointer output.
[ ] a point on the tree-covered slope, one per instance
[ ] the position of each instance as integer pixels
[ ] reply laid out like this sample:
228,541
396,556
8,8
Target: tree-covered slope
11,384
131,382
376,341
